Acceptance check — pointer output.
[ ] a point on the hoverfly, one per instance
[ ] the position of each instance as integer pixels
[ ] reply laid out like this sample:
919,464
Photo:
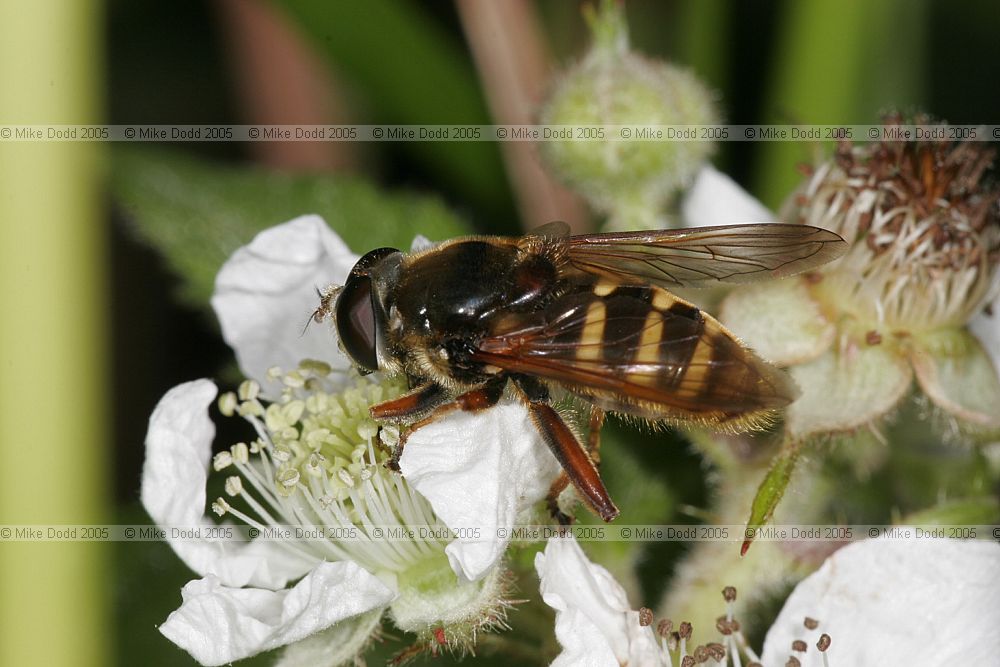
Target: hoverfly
590,315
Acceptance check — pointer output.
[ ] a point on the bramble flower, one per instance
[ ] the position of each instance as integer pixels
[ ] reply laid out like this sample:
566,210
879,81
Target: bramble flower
316,470
924,229
631,180
894,601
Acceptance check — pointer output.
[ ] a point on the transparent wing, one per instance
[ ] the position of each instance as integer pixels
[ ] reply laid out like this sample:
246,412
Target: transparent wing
701,256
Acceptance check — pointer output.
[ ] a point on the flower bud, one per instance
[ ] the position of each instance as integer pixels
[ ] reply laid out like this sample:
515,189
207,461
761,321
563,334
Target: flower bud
630,179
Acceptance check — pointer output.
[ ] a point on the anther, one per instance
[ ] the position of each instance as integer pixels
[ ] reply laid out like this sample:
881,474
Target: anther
240,452
823,643
222,460
716,651
248,390
288,477
227,404
729,593
799,645
220,506
685,630
664,627
810,623
234,485
645,616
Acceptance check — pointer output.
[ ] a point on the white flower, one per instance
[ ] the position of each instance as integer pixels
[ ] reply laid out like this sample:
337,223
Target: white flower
316,463
891,601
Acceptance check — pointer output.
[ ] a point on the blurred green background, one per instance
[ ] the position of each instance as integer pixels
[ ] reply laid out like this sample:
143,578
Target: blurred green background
107,251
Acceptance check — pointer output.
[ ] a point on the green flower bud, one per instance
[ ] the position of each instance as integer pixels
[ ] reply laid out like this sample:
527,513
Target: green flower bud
630,180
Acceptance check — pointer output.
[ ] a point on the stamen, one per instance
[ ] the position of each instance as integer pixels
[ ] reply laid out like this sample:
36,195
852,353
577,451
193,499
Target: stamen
234,485
222,460
227,404
823,644
240,452
716,651
248,390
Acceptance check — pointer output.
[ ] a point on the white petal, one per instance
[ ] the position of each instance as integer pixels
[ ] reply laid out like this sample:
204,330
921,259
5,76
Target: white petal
479,470
916,602
216,624
421,242
716,199
987,329
265,293
594,623
178,448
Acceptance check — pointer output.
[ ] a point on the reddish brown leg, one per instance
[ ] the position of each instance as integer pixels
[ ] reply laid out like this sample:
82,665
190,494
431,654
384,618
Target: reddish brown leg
552,500
579,468
471,401
413,404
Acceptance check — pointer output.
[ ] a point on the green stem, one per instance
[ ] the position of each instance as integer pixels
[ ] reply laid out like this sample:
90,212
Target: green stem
54,598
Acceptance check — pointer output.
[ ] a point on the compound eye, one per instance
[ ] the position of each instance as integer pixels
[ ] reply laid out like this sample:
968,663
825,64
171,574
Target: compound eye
355,318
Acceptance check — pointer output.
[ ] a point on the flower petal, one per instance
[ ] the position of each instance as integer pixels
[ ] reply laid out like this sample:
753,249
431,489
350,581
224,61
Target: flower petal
594,623
716,199
174,474
217,625
479,470
265,293
957,374
897,602
846,389
986,327
794,329
421,243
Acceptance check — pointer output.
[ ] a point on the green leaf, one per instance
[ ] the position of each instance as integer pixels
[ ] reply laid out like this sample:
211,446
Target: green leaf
412,71
770,491
196,213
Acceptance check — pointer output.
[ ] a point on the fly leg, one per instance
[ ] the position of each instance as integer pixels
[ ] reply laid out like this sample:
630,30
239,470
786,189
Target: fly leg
562,481
474,400
578,468
414,404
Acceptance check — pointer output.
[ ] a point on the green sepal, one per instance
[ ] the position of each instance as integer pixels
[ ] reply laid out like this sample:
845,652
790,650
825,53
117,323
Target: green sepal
770,491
